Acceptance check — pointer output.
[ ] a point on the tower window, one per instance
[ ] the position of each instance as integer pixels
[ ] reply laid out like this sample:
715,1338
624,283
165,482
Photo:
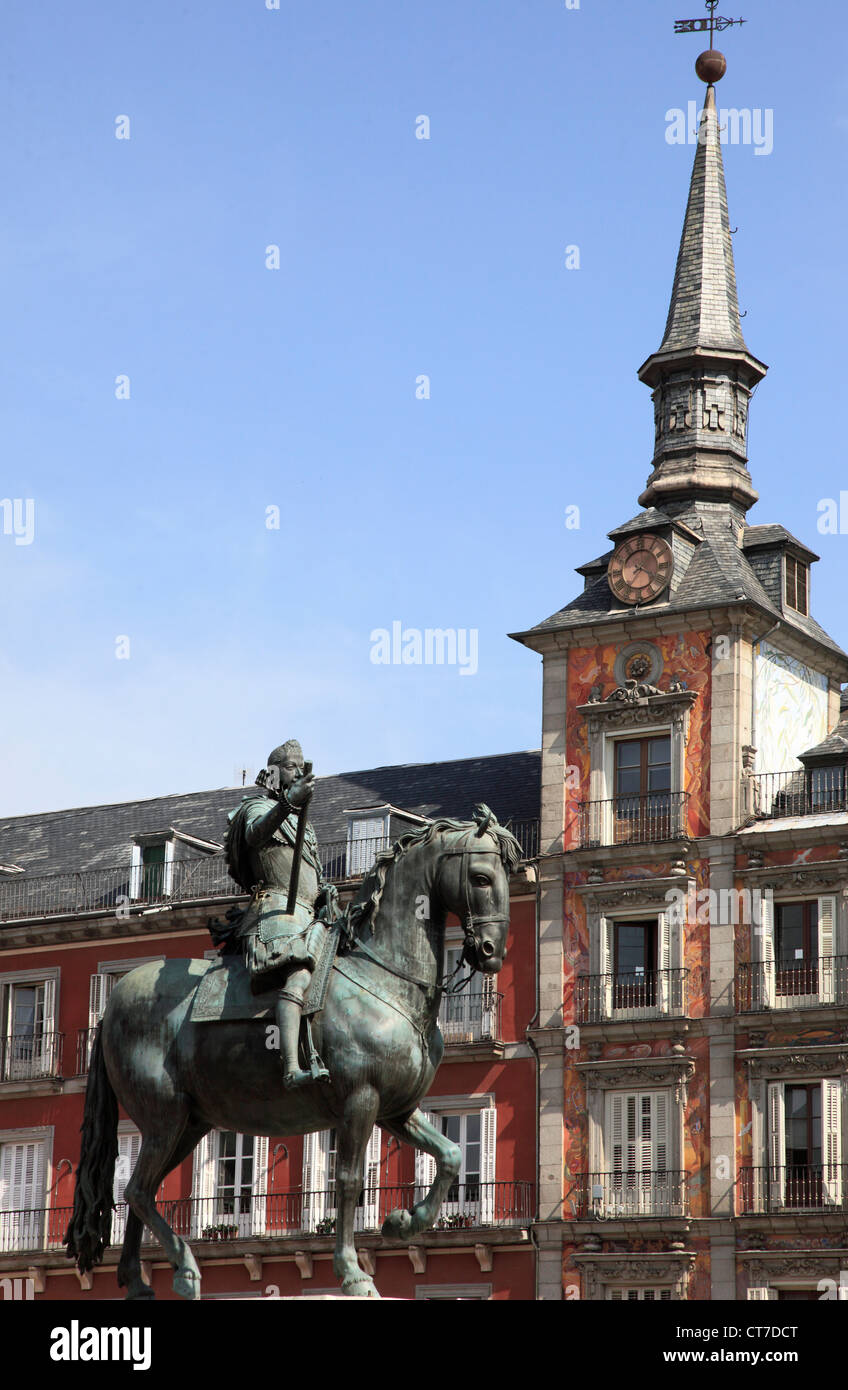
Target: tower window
797,585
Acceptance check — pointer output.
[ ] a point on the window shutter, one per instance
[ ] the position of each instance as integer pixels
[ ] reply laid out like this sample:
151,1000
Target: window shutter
606,966
488,1141
764,952
129,1147
832,1140
168,871
425,1164
371,1182
98,993
203,1183
777,1144
663,992
22,1195
48,1044
315,1200
135,872
762,1293
259,1204
827,921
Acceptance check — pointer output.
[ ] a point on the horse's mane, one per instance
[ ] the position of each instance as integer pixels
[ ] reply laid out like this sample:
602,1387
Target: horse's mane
364,907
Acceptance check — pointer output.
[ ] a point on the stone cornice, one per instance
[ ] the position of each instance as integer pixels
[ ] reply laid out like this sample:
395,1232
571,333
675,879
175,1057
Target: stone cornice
772,1063
602,897
820,874
638,1071
632,709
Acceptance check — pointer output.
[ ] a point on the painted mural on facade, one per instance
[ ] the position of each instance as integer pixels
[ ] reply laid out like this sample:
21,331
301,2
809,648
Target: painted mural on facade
790,708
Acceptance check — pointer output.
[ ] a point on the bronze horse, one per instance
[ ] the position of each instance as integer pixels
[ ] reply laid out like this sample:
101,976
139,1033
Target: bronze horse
377,1033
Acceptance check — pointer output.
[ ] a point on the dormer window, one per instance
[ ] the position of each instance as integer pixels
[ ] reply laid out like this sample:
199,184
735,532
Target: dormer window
152,867
796,585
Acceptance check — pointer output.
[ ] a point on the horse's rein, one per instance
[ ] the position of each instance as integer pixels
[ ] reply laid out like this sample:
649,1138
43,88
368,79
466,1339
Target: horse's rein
470,923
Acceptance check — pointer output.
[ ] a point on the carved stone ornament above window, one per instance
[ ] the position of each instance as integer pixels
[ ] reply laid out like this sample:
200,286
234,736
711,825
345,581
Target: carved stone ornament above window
774,1063
643,892
827,874
633,705
762,1267
600,1270
639,1071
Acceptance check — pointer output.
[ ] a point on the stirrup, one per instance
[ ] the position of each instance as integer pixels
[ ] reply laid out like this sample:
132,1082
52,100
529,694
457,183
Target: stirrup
293,1079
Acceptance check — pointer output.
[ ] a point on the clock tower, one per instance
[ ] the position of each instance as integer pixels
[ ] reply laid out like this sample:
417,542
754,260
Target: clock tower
683,690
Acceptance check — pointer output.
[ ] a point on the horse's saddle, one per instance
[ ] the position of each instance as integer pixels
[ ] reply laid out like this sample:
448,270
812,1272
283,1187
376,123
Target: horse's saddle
224,991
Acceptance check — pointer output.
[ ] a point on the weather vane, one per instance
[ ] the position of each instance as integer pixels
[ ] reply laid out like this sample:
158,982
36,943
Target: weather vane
712,22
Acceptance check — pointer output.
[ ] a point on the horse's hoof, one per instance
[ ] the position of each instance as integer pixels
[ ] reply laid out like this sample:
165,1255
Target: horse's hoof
398,1225
360,1287
187,1285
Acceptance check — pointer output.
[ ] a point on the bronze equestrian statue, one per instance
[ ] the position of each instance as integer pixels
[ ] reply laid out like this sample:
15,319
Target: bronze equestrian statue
182,1044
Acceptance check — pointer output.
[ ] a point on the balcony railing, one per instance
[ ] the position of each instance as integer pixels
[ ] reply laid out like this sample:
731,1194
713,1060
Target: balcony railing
652,994
471,1018
468,1206
633,1193
31,1056
632,820
788,1188
776,795
183,881
762,985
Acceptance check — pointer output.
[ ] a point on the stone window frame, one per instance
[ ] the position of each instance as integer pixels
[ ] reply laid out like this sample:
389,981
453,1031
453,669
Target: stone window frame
635,899
785,1065
666,1073
634,716
602,1272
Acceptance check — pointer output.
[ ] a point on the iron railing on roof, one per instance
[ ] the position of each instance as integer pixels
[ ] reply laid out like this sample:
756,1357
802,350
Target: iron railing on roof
813,792
122,888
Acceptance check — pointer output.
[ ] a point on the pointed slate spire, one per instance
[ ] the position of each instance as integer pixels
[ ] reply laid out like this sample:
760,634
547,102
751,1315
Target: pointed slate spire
704,309
703,373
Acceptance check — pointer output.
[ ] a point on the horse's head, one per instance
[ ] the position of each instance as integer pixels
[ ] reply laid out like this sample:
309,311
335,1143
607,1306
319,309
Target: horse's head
473,883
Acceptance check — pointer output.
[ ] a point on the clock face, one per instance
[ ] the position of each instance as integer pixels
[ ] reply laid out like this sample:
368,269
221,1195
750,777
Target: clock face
640,569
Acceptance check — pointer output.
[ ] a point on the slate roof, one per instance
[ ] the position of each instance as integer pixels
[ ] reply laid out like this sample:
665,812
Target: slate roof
762,537
718,574
91,837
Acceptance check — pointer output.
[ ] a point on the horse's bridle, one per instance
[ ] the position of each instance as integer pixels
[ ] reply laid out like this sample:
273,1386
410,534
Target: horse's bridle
471,923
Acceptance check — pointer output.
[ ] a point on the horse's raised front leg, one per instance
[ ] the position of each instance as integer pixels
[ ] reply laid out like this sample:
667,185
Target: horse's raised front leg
419,1132
354,1132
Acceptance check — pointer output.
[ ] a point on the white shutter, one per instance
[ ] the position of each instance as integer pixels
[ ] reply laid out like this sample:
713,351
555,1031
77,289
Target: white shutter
168,871
488,1140
777,1144
663,990
129,1147
764,951
46,1049
762,1293
203,1184
607,957
488,1017
22,1195
425,1164
98,993
315,1199
259,1204
832,1140
827,922
371,1182
135,872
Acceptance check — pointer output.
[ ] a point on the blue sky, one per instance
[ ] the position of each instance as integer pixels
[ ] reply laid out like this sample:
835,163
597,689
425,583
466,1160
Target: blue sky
295,388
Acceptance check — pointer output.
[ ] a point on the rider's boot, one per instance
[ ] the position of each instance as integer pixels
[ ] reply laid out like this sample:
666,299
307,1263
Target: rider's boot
289,1009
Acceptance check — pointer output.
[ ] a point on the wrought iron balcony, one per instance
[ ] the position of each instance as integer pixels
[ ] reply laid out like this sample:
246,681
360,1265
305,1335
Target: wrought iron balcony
763,985
468,1206
629,1194
632,820
651,994
778,795
471,1017
31,1056
788,1188
27,897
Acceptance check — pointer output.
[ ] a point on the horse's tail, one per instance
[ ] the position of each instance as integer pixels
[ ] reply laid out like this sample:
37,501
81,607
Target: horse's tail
90,1226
